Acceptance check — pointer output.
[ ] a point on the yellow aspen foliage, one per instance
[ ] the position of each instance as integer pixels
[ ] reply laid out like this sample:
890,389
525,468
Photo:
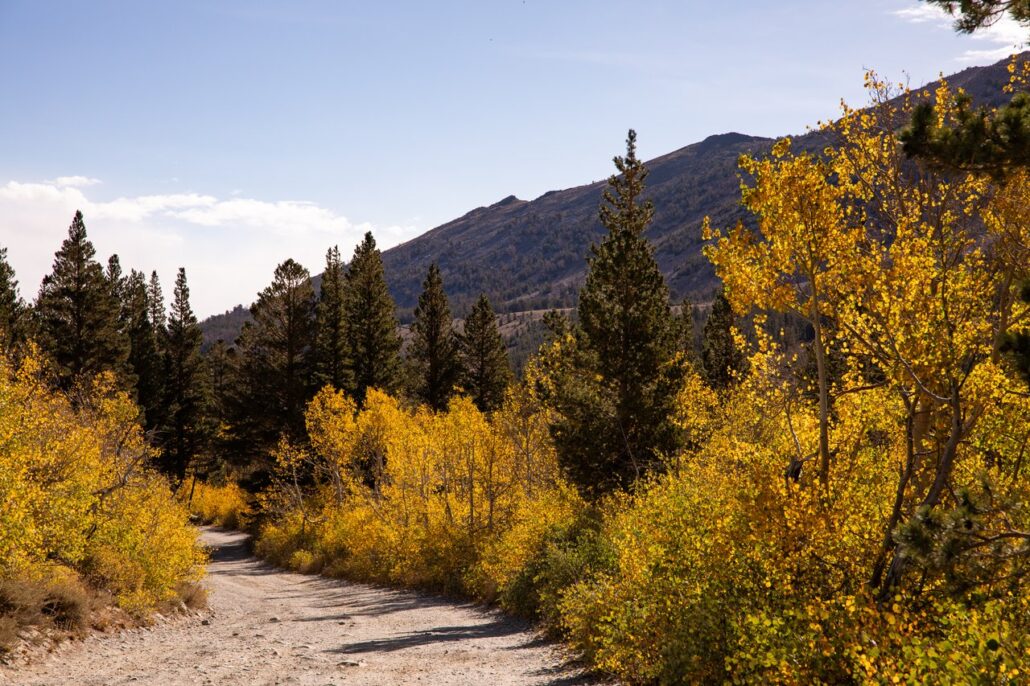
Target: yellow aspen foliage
79,496
226,505
415,497
908,564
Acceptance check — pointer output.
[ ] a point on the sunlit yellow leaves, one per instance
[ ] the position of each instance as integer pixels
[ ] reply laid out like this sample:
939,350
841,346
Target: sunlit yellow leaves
415,496
77,491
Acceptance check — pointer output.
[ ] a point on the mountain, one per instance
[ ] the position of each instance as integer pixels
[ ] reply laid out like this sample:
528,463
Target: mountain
531,255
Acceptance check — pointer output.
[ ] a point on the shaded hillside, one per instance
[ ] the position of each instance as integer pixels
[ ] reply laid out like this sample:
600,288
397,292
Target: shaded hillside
531,255
225,326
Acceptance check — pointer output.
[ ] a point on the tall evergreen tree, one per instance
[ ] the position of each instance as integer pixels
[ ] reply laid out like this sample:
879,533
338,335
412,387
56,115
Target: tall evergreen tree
434,349
331,350
184,434
222,374
371,323
117,285
156,303
615,408
222,366
687,333
78,317
144,356
276,352
115,278
486,371
720,356
13,311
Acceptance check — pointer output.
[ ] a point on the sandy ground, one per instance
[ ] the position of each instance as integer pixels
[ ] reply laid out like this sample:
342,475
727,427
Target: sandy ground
266,626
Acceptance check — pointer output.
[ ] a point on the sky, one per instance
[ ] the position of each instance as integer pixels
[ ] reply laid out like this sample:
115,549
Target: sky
225,136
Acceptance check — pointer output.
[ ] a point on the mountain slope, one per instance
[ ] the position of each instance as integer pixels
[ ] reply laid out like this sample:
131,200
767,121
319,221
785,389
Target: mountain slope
531,255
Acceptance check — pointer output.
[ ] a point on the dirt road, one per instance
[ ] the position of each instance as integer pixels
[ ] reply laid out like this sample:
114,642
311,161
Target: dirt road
266,626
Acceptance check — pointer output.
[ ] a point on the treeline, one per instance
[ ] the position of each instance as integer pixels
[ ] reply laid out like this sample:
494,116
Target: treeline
227,408
219,413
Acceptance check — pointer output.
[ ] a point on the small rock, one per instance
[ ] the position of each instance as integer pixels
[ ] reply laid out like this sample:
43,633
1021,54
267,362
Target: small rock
205,622
352,663
275,619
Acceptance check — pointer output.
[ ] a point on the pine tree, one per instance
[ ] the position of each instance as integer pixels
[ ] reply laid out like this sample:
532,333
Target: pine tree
720,356
371,323
13,311
486,371
144,356
184,434
687,333
557,324
222,374
615,408
78,314
331,350
434,350
156,303
222,365
114,276
276,358
117,286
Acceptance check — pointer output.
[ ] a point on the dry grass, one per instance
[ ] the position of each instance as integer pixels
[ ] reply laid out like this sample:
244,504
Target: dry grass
193,596
62,604
8,632
21,600
67,604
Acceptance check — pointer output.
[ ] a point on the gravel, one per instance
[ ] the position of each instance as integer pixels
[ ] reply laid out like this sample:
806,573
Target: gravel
267,626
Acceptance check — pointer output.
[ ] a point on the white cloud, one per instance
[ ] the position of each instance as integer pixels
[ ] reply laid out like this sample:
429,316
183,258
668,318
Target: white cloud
229,246
74,181
923,14
1006,35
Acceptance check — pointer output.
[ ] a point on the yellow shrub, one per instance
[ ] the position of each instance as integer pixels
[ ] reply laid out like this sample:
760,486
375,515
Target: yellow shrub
413,497
143,549
729,568
503,559
227,505
77,490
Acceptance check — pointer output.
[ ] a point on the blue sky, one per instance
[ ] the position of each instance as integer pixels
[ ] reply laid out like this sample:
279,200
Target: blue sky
225,136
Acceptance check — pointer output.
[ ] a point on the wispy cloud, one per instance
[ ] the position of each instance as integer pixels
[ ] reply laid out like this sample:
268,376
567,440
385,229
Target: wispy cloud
229,246
1005,36
74,181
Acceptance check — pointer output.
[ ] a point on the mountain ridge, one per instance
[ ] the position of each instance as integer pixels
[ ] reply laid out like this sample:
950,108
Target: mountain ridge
531,254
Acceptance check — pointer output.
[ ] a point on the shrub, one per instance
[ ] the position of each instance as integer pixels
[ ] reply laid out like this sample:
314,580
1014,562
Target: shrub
192,594
67,603
455,501
83,511
123,555
226,506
